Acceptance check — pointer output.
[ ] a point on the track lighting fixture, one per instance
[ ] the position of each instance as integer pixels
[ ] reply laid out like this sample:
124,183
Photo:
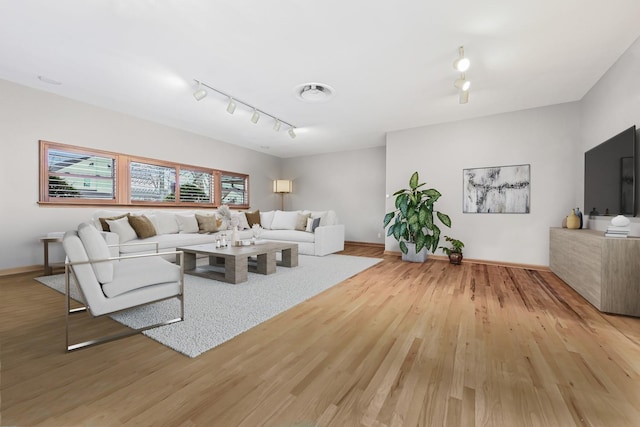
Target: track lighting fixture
231,107
464,97
201,92
462,83
255,116
461,64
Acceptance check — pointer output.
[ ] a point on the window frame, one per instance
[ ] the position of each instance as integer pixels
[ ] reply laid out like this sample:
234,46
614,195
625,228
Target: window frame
122,180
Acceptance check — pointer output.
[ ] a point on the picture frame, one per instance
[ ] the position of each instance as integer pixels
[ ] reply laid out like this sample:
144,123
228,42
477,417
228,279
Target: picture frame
497,189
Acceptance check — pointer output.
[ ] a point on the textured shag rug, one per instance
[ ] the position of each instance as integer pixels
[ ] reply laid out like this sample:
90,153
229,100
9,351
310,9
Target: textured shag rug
216,311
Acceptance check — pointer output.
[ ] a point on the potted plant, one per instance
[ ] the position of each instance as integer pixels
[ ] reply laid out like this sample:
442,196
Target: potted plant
454,251
414,227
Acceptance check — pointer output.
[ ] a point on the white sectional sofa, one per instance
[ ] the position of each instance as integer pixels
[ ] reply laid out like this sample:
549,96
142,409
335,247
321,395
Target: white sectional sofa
316,232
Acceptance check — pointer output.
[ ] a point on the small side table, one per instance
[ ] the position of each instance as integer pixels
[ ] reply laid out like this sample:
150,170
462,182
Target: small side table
49,238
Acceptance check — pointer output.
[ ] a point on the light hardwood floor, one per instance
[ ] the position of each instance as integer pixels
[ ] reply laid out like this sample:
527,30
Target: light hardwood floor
397,345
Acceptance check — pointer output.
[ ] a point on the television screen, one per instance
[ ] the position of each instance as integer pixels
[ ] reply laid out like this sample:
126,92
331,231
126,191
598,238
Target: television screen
610,176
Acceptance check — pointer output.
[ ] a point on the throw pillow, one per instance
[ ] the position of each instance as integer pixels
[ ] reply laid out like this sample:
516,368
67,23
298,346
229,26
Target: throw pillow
242,222
312,224
253,218
284,220
142,226
123,229
207,223
266,219
301,222
167,223
187,223
105,225
96,248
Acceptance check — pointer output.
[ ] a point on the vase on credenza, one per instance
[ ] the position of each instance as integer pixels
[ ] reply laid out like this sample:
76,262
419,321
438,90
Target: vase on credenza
573,221
579,215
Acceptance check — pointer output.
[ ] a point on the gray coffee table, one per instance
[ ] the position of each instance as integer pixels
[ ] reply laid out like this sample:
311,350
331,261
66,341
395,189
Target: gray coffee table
231,264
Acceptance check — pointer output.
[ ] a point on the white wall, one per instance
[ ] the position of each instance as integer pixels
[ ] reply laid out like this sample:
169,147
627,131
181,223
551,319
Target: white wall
349,182
610,107
546,138
28,115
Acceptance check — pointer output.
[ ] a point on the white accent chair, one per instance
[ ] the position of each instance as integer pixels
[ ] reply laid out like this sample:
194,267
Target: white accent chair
112,284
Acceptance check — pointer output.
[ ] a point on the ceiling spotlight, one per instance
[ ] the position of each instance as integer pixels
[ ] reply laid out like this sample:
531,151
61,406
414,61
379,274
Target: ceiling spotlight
462,83
255,116
200,93
461,64
276,125
464,97
231,108
292,134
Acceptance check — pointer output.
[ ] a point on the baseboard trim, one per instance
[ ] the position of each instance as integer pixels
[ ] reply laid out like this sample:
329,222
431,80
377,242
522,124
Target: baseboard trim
21,270
482,261
365,244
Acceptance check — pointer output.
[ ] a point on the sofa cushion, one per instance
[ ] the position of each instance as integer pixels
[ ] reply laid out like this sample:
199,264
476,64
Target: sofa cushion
252,218
105,225
241,219
208,223
284,220
131,274
301,222
123,229
96,248
142,225
288,235
266,219
187,223
166,222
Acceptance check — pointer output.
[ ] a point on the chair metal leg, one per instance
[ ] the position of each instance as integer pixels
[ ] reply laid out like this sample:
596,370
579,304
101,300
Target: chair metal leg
71,347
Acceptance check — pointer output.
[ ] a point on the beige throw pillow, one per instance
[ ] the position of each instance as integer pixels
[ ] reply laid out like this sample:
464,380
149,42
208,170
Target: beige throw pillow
207,223
142,226
105,225
301,223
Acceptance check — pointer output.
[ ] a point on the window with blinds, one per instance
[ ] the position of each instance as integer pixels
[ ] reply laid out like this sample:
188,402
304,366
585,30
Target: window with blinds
76,175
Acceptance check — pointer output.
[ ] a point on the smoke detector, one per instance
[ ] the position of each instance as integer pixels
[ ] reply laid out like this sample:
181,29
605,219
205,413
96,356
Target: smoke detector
314,92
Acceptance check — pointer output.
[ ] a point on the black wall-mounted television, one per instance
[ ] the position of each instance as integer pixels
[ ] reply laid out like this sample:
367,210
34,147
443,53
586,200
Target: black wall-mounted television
610,172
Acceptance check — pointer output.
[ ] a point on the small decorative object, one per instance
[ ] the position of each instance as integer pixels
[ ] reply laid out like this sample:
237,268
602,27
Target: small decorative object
234,235
257,231
620,221
564,222
217,241
223,240
454,251
573,221
579,214
414,227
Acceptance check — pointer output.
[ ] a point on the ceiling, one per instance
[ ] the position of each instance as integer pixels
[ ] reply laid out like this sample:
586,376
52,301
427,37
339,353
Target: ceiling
390,63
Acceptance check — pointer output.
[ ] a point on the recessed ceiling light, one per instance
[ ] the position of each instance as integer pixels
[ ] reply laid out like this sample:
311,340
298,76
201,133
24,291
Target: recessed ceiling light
48,80
314,92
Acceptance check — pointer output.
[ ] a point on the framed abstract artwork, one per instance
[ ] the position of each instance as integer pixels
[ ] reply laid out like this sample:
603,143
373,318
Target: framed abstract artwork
500,189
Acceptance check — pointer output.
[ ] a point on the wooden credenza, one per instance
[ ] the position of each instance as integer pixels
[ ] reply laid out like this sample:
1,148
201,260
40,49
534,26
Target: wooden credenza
604,270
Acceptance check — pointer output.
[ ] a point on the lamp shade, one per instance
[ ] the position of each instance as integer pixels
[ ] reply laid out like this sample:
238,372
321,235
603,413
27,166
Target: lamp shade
282,186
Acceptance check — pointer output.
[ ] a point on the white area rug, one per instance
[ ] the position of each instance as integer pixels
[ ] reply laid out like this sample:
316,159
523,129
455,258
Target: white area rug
216,311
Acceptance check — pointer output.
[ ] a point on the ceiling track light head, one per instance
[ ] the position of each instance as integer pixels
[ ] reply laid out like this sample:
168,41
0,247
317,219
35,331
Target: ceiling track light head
231,108
292,133
461,64
462,83
255,116
200,93
464,97
276,125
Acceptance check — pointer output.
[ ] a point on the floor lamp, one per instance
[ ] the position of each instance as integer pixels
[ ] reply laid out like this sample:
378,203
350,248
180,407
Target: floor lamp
282,186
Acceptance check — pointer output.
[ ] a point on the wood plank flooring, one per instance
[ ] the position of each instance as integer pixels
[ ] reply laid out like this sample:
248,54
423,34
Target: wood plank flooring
399,344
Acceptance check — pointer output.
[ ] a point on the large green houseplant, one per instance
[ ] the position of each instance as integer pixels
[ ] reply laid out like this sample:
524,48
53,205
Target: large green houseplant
414,226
